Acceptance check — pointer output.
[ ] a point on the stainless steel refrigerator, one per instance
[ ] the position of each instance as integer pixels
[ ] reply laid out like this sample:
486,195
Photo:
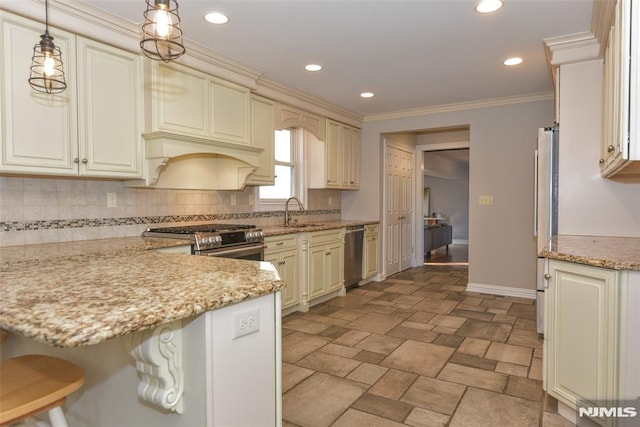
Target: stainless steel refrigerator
546,205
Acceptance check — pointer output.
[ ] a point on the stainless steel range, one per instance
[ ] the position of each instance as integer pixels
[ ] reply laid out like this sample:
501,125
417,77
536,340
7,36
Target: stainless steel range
240,241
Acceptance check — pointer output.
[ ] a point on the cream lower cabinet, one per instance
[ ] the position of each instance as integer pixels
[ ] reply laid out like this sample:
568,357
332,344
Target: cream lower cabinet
323,264
93,128
282,252
591,338
370,255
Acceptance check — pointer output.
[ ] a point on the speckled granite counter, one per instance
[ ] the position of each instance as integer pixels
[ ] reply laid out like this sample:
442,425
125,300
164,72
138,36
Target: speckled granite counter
80,293
278,230
616,253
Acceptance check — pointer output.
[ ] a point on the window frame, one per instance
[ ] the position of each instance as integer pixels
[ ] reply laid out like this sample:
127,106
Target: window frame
298,181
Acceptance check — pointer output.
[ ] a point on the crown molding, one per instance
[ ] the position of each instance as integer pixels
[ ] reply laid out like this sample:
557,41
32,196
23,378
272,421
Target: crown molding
448,108
601,21
280,92
572,48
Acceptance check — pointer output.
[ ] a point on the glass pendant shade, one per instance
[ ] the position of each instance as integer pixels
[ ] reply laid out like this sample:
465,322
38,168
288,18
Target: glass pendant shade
161,32
47,71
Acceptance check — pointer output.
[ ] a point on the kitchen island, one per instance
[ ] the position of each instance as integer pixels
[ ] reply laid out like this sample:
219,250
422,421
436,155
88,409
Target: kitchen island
98,303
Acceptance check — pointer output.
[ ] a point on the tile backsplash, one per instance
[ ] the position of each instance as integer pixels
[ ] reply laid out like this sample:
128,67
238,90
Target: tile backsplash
44,210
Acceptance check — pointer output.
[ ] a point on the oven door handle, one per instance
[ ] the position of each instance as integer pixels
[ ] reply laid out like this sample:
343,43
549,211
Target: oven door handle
236,251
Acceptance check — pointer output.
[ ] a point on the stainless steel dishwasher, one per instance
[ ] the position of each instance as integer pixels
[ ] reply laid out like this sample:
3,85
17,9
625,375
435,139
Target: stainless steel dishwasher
353,246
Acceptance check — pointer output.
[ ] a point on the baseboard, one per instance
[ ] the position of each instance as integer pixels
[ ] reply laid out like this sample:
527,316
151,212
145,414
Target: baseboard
460,241
501,290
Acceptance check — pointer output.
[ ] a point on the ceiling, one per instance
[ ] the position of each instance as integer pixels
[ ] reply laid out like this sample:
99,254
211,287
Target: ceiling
410,53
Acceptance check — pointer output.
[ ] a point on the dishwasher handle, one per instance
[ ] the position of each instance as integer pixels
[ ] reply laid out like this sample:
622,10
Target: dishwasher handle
354,229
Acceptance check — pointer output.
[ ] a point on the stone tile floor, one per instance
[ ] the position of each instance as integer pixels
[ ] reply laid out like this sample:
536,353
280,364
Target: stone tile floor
417,350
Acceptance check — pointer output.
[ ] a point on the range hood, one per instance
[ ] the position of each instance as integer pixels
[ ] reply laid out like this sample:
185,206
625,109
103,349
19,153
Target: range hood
178,161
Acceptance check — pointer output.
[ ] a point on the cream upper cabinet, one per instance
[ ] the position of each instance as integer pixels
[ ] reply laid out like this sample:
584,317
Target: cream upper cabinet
332,154
263,136
584,315
110,110
39,131
229,112
371,250
350,158
93,128
282,252
190,102
178,99
621,139
335,162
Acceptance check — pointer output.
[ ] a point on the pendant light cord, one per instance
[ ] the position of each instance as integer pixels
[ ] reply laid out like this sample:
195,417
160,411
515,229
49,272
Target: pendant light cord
46,17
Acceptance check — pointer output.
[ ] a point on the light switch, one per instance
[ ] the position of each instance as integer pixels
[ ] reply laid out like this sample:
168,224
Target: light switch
486,200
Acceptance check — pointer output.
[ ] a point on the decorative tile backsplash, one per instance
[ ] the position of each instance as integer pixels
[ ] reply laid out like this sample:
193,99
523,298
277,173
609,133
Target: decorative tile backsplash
44,210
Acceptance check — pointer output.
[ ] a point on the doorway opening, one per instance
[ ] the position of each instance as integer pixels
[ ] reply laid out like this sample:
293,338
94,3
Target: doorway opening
445,196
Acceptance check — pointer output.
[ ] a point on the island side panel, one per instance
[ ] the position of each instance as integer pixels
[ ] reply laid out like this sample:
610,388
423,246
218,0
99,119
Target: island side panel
109,395
229,379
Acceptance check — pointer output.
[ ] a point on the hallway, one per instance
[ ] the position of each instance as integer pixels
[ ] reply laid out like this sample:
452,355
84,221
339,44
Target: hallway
417,350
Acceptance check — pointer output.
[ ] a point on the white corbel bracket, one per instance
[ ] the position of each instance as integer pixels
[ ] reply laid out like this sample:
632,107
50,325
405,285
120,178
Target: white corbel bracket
158,355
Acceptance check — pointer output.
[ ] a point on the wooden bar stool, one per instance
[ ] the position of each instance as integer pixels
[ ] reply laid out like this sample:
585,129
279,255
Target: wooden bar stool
36,383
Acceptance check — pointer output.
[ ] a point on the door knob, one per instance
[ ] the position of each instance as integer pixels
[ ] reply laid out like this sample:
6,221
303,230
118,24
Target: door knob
547,276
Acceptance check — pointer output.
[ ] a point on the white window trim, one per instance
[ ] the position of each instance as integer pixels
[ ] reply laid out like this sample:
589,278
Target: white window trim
299,189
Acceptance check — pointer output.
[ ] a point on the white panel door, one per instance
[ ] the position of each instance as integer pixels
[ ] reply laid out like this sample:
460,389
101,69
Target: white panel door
392,214
406,209
399,207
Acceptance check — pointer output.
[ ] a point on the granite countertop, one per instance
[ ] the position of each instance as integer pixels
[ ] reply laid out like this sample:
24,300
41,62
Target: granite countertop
81,293
278,230
616,253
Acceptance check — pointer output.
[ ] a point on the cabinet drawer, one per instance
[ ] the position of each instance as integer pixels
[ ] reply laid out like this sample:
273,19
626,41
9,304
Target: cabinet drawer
277,244
324,237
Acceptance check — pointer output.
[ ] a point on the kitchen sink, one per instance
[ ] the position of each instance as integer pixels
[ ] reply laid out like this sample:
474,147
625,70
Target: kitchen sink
304,225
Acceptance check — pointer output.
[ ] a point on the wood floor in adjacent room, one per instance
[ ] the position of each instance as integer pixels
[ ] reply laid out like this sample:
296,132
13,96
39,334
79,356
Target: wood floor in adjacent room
417,350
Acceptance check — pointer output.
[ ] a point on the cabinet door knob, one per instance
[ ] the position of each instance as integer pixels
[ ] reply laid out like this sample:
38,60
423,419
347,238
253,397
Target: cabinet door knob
279,243
327,253
611,149
601,161
85,161
547,276
76,160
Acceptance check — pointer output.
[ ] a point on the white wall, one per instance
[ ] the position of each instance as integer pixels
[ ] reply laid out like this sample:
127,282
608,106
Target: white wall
589,204
502,251
450,197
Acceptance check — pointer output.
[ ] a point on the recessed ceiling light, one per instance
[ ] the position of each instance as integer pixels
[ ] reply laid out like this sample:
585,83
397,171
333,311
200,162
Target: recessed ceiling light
313,67
216,18
513,61
366,94
488,6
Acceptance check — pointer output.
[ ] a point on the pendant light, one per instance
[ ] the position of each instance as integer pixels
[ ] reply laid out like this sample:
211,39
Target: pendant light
161,32
47,71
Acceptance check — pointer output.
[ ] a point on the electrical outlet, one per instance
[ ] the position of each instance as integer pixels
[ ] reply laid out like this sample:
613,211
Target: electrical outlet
246,323
112,200
486,200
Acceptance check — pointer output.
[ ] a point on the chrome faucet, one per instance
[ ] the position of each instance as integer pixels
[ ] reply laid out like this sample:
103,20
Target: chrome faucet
287,215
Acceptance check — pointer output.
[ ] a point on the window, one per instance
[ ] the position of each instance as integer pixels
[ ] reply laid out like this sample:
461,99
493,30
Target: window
287,169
